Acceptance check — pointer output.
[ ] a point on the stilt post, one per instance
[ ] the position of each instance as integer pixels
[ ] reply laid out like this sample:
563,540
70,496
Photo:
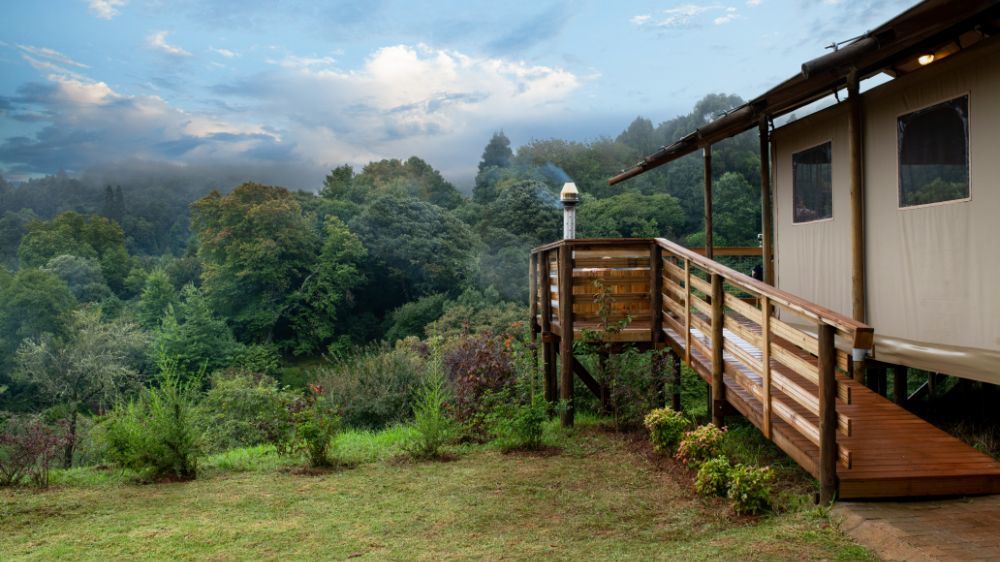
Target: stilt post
827,415
718,367
566,329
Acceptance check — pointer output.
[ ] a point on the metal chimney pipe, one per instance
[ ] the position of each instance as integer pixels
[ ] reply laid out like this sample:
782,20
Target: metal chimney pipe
570,197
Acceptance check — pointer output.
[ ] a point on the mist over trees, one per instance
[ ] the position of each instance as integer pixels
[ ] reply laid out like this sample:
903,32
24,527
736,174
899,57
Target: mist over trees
203,280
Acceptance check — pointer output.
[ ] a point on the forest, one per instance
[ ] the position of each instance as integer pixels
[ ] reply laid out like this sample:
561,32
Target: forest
112,295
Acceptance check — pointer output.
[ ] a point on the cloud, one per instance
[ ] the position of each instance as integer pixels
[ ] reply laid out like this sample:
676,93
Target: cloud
679,17
308,114
537,29
730,15
158,41
106,9
754,3
225,52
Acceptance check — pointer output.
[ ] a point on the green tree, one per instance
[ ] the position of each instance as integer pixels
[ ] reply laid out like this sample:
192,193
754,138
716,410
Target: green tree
191,339
735,211
34,303
422,248
158,294
74,234
338,183
528,210
82,275
415,178
13,227
631,215
256,247
497,152
327,291
89,367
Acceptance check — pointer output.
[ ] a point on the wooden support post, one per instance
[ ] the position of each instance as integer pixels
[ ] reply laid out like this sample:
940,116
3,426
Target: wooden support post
675,367
855,141
827,415
656,320
765,334
718,367
687,311
566,328
709,245
877,377
899,386
766,205
548,343
533,311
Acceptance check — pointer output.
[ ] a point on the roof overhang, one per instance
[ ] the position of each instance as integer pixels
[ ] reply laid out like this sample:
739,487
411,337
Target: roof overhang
944,26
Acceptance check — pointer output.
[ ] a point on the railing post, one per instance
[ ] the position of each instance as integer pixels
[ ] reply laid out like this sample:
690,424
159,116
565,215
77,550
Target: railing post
899,389
765,334
718,367
687,311
548,346
566,329
827,415
656,320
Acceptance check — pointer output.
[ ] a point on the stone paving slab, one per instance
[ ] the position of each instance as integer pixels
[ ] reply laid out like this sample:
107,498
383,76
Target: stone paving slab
957,529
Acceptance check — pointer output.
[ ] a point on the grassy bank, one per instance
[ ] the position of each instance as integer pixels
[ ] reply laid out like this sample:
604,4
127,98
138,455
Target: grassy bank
597,496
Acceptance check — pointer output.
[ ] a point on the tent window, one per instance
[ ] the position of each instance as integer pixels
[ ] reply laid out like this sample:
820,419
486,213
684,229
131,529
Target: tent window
934,154
812,184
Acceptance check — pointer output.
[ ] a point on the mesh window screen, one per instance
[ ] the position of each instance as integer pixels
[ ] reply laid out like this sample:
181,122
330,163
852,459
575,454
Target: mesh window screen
812,184
934,153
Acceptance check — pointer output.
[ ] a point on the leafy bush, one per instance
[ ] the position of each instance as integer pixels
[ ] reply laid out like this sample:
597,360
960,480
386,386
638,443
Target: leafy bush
666,426
157,434
750,489
631,386
713,477
258,358
374,386
28,447
477,366
242,410
411,318
316,424
700,444
518,424
434,428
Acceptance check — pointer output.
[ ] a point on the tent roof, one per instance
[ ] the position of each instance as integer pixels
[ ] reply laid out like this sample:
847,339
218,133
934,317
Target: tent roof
892,47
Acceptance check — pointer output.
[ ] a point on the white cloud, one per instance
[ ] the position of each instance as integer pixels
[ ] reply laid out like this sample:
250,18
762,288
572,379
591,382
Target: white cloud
158,41
730,15
754,3
51,54
641,19
680,16
225,52
292,61
106,9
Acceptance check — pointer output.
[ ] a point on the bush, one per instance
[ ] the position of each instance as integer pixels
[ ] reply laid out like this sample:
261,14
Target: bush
477,366
243,410
434,428
28,447
518,425
713,477
699,445
316,424
631,386
157,434
375,386
258,358
750,489
666,426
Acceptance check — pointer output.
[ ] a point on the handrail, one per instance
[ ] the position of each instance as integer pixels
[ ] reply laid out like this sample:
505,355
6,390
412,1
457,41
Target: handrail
862,333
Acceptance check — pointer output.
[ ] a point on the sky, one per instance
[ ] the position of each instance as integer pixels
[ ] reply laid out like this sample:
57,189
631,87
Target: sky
282,92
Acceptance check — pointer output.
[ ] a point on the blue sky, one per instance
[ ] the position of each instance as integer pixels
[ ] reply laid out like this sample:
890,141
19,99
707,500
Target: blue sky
284,91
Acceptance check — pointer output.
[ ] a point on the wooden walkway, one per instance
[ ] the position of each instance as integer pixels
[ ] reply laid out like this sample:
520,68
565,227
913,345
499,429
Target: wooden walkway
757,350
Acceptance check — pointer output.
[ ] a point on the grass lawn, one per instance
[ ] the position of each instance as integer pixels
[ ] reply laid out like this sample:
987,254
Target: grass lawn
600,496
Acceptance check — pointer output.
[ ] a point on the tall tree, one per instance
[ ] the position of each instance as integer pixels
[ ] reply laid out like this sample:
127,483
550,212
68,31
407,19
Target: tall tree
191,338
497,152
33,303
78,235
257,247
89,367
158,295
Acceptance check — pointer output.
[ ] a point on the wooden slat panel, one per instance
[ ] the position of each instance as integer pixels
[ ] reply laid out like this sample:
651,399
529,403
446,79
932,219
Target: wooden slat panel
748,360
673,270
748,311
701,306
743,332
795,363
674,307
700,284
785,331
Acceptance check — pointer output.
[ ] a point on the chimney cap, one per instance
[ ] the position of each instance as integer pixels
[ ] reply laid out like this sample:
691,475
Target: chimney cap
569,193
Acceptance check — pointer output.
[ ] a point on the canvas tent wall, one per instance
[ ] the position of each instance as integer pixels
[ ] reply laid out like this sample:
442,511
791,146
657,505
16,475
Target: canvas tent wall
933,271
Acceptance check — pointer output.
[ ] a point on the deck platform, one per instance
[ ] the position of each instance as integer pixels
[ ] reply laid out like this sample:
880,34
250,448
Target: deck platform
781,362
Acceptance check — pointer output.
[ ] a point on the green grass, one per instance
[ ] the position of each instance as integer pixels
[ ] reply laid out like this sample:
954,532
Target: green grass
602,496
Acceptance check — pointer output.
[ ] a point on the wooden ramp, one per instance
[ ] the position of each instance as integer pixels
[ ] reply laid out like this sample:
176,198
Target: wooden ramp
782,362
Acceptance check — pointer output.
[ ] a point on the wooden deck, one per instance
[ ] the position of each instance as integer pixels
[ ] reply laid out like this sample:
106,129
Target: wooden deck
773,366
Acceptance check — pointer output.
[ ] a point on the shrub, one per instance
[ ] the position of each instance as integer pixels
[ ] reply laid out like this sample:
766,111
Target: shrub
316,424
476,366
666,426
750,489
713,477
258,358
518,425
434,428
374,386
699,445
631,386
243,410
157,434
28,447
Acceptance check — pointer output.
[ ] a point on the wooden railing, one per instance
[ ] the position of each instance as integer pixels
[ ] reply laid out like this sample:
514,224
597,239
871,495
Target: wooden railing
783,350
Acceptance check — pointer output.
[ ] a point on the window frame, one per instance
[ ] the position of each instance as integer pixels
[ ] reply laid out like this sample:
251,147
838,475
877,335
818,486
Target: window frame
968,153
828,140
